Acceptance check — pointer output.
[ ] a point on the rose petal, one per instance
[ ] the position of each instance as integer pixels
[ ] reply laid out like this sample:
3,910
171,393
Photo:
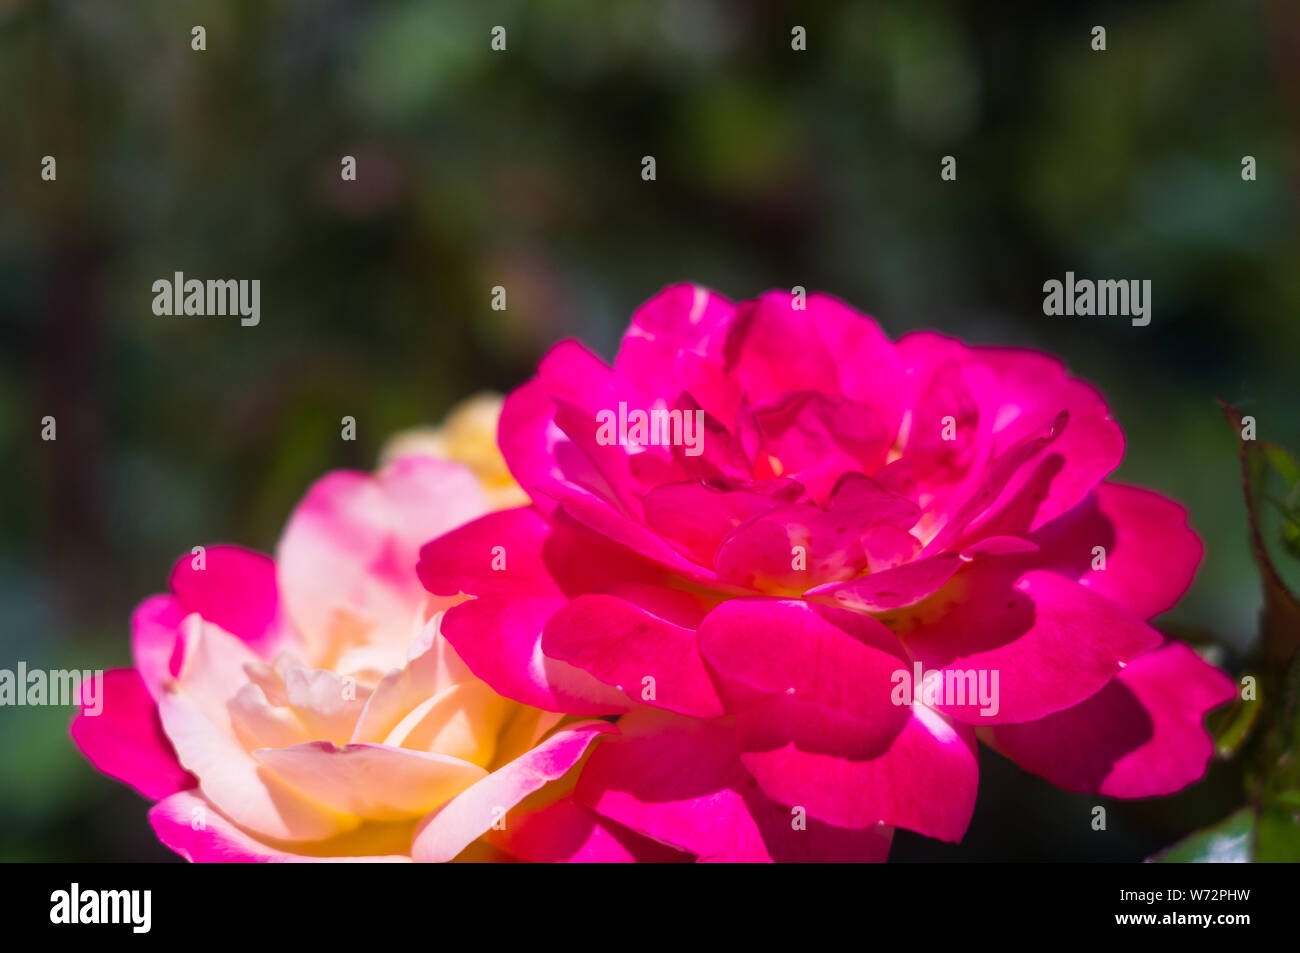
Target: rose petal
1050,642
1149,553
623,645
126,741
449,830
924,778
376,782
1143,735
348,550
194,828
236,590
679,781
498,633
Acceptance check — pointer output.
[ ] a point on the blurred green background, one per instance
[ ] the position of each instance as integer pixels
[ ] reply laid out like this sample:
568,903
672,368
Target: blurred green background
522,169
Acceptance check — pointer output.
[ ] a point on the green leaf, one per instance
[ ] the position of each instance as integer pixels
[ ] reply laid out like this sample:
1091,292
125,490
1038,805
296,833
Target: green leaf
1231,727
1228,842
1277,834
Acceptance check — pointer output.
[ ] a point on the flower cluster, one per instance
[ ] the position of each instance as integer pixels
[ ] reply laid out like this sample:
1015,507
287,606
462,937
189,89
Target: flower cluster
776,577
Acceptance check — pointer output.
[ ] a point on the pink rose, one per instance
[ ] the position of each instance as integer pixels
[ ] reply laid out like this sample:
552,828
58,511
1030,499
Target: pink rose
307,708
751,536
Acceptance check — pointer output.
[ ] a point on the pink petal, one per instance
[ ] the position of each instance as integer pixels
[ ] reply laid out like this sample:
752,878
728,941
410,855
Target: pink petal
695,516
679,781
719,453
352,542
828,737
602,519
622,645
924,778
1150,552
236,590
527,434
498,633
1033,388
126,741
1143,735
844,660
949,433
540,455
614,473
905,585
813,438
1051,642
869,368
680,323
155,641
838,542
968,504
758,351
564,831
459,822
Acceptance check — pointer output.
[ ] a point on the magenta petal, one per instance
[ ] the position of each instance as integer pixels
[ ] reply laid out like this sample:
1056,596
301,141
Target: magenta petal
842,660
195,829
612,472
1001,469
623,645
679,781
718,453
1143,735
538,452
861,524
498,633
814,438
840,769
829,736
1033,389
565,831
675,341
598,516
126,741
1148,552
759,352
526,434
949,431
462,820
695,516
1050,642
236,590
896,588
870,370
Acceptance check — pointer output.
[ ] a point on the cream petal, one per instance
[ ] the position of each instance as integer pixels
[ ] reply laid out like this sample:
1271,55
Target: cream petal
329,705
427,675
238,785
463,721
376,782
259,724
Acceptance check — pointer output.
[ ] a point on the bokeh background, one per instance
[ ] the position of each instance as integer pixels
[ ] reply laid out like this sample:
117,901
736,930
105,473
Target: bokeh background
522,169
